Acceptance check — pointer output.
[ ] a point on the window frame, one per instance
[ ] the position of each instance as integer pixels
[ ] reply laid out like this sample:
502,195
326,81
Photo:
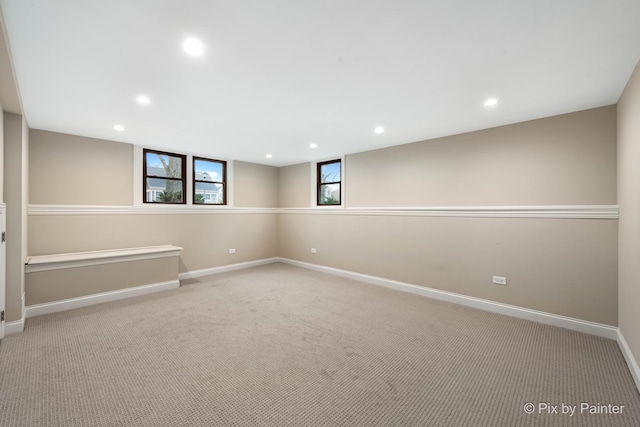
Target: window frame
183,162
319,184
194,181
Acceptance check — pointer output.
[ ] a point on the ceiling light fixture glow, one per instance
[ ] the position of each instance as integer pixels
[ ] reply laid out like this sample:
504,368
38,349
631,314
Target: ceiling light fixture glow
491,102
269,156
193,46
313,145
143,100
379,130
119,128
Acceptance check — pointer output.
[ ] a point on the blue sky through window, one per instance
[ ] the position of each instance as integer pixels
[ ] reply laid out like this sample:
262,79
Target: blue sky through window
213,169
330,172
156,167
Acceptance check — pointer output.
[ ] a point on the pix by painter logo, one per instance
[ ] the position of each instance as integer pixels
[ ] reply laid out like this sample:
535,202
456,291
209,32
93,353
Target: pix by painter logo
571,410
549,408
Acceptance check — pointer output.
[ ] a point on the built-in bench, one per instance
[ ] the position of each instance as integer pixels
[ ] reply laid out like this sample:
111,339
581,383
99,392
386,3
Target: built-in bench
61,282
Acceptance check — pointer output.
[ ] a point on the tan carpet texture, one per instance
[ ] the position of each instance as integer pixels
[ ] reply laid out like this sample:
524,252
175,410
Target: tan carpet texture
282,346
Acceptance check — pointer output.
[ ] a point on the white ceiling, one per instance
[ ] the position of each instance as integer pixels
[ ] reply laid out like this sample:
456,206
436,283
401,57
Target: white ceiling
277,75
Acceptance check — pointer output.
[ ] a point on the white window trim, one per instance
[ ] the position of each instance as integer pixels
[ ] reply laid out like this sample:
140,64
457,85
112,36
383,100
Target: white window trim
314,183
138,173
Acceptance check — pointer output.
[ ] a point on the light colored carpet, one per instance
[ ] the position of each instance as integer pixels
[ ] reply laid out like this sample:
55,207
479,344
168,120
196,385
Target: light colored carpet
282,346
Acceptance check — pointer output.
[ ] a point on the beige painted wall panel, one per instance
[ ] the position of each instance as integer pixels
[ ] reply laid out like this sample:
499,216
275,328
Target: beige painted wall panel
206,239
15,152
629,201
75,170
295,186
562,266
9,95
562,160
24,158
1,154
56,285
255,186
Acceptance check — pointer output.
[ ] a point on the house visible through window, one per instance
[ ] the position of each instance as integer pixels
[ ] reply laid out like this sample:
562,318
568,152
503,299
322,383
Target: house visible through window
164,177
329,181
209,181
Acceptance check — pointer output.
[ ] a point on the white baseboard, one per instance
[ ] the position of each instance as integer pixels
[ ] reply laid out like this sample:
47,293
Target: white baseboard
225,268
84,301
631,361
70,304
592,328
15,327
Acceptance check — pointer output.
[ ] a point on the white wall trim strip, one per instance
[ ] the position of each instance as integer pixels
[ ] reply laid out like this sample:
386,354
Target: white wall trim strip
85,259
592,328
15,327
561,212
85,301
631,361
59,210
225,268
568,212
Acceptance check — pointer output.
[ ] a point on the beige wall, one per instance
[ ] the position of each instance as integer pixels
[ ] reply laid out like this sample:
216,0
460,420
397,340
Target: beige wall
205,238
206,233
562,160
15,196
255,185
2,246
9,96
75,170
60,284
1,155
294,184
562,266
629,202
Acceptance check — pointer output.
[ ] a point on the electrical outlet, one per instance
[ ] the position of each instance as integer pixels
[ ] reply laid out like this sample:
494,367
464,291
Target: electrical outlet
232,251
499,280
313,250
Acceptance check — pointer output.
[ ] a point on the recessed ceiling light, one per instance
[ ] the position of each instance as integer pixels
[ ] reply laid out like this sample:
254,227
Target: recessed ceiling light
313,145
143,100
193,46
269,156
119,128
379,130
490,102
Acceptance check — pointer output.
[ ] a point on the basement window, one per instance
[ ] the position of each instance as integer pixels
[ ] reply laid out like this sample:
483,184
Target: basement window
164,177
209,181
329,181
